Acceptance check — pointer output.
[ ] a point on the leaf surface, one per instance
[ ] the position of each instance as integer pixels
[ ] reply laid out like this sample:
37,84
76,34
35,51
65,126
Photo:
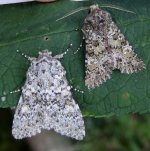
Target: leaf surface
32,27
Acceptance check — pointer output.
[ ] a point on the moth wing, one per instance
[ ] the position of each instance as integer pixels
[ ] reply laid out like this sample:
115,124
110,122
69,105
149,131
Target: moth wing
60,114
66,120
98,62
63,114
27,122
98,66
123,55
47,103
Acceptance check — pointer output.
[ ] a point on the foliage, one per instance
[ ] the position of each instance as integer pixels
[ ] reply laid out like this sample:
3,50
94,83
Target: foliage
32,27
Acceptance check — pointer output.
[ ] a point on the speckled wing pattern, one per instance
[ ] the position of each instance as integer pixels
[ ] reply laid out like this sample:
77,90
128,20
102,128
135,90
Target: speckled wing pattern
46,102
106,48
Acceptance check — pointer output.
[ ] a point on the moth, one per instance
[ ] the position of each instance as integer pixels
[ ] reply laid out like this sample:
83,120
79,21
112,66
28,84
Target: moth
46,101
106,47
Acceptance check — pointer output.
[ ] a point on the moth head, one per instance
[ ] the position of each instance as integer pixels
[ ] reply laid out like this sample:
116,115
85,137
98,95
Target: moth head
45,53
93,7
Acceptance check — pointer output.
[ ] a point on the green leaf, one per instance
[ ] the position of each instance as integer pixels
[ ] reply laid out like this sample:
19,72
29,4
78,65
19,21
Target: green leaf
32,27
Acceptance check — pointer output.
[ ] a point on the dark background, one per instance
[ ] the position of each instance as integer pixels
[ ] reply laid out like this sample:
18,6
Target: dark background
126,133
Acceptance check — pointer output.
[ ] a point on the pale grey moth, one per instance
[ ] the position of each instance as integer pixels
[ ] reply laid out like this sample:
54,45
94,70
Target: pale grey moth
46,101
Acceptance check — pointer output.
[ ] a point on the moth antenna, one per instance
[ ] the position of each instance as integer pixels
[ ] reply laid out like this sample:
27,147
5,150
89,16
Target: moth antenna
64,53
73,12
80,46
117,8
11,92
24,55
67,50
77,90
15,91
85,8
